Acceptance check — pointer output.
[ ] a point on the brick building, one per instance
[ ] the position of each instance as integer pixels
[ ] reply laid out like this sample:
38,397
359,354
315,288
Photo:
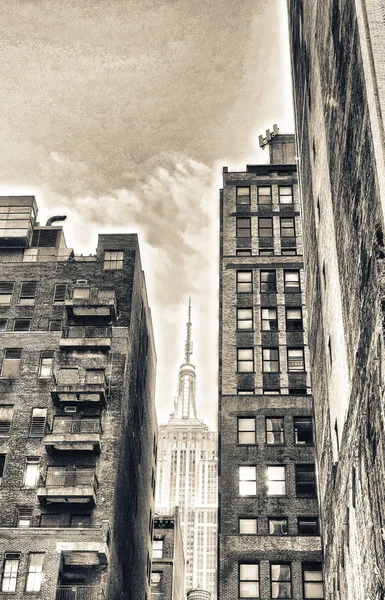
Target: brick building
269,544
77,415
167,576
338,52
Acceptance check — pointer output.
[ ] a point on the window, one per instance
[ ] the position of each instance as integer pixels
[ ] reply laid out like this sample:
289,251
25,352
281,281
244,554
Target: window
35,572
11,567
308,526
243,227
264,195
3,324
113,259
294,319
31,471
274,431
55,325
247,481
265,227
295,359
245,360
60,293
277,526
244,318
28,292
11,363
156,582
285,194
22,325
276,481
266,252
312,580
303,431
46,364
248,526
38,421
287,227
242,392
243,252
6,291
6,413
269,321
81,292
246,430
291,281
157,549
270,360
268,282
249,580
244,281
305,484
2,465
280,581
288,251
24,516
243,195
271,391
110,294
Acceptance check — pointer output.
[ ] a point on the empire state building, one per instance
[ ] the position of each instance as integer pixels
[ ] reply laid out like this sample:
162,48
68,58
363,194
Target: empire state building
187,477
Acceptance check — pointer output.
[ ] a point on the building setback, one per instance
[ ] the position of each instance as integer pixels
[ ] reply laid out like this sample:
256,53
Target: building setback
187,477
167,576
338,51
269,544
77,415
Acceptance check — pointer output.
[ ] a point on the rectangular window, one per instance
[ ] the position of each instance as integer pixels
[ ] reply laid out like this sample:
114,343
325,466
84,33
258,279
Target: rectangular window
243,392
244,318
60,293
28,292
277,526
3,324
266,252
285,194
274,431
24,516
249,580
38,422
269,320
246,430
276,481
35,572
6,291
22,325
270,360
55,325
10,570
6,413
268,282
157,549
312,580
156,582
243,195
291,281
11,363
294,319
308,526
264,194
245,360
31,471
295,360
244,281
243,252
248,526
81,292
280,581
247,481
113,259
288,251
303,431
46,364
287,227
243,227
265,227
305,483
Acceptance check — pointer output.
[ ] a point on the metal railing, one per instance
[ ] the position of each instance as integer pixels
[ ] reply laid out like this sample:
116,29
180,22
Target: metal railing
61,478
86,332
84,592
65,425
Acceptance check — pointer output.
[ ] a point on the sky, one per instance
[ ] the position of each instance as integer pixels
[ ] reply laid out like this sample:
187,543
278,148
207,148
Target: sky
121,114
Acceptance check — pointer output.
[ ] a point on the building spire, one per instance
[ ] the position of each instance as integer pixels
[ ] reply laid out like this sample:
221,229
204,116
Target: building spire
184,405
188,349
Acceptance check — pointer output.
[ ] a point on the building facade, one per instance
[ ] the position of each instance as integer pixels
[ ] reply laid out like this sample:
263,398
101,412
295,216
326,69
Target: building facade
167,575
269,543
338,51
187,478
77,416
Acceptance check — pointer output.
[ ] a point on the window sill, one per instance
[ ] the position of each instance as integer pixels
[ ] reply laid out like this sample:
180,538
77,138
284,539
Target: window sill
271,372
245,372
245,331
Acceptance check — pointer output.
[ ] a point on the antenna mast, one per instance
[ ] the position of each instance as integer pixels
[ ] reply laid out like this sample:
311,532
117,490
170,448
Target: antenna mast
188,346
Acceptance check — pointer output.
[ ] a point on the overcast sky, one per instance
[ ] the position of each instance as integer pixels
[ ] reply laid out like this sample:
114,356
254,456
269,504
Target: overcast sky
121,114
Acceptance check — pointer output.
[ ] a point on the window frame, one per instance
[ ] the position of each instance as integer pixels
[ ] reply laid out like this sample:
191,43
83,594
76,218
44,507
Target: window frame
295,430
262,228
280,195
291,359
241,361
253,519
240,229
10,578
269,320
284,227
21,518
5,363
244,580
277,519
248,196
309,519
288,288
306,494
246,431
38,422
8,294
27,298
272,581
294,324
6,423
244,283
56,293
268,287
243,479
157,550
19,321
114,262
34,574
282,431
46,355
269,361
270,480
259,195
316,581
31,460
241,320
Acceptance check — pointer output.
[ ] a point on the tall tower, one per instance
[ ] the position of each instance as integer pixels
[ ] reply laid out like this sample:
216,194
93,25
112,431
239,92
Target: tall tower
187,476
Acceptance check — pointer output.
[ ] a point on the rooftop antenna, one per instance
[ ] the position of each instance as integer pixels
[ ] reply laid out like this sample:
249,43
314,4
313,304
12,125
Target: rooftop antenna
270,135
188,349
